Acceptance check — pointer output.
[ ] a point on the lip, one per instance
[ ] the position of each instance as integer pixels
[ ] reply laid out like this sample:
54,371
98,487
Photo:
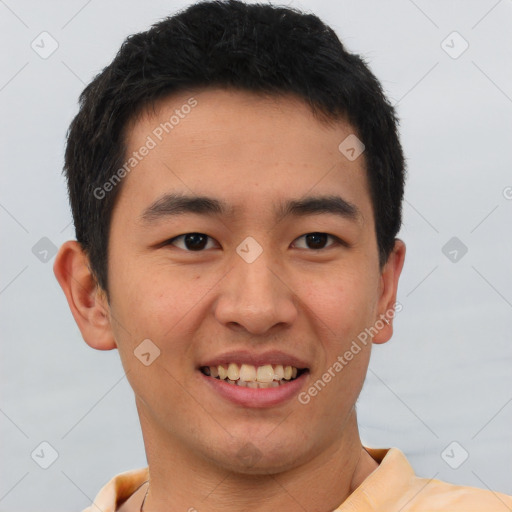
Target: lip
246,357
255,398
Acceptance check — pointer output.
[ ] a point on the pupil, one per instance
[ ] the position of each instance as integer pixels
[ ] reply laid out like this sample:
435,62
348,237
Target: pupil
195,241
316,240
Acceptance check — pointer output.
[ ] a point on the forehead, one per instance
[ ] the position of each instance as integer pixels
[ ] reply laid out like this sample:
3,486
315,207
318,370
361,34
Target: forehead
238,146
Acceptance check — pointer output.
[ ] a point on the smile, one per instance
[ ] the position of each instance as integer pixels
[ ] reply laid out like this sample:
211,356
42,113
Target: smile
256,377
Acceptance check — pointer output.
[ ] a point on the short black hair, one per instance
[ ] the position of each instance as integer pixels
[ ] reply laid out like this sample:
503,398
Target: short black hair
267,49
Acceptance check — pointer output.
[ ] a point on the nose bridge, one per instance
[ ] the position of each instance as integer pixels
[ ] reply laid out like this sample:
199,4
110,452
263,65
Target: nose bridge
256,279
253,296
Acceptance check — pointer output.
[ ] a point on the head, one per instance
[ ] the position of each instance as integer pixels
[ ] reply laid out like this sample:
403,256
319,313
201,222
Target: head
248,111
255,48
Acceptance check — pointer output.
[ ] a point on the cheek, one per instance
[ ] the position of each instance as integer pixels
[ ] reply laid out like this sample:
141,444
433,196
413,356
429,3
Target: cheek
155,304
154,298
343,303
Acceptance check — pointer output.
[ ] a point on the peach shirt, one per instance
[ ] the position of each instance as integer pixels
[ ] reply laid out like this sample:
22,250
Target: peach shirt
392,487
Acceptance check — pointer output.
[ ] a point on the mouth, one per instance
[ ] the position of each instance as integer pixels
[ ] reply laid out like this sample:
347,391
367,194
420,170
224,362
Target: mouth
256,377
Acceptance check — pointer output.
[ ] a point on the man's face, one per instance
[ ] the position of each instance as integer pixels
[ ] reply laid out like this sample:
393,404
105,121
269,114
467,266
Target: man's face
252,287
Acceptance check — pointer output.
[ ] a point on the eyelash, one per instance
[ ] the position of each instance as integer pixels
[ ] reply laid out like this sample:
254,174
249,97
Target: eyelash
337,240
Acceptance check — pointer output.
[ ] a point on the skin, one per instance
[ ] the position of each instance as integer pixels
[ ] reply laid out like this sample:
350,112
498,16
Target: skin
250,152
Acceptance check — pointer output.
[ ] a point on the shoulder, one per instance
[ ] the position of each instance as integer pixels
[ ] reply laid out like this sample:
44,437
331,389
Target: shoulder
118,489
421,494
395,486
437,495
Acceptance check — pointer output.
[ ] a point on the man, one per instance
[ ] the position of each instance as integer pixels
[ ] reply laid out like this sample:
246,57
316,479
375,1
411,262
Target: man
236,180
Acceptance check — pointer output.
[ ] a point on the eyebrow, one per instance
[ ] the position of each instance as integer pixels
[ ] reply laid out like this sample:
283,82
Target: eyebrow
172,204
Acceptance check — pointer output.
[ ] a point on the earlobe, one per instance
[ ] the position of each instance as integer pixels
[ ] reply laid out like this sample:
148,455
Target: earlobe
86,300
389,286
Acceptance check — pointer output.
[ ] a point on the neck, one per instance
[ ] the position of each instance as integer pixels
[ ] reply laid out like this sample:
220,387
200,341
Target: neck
181,483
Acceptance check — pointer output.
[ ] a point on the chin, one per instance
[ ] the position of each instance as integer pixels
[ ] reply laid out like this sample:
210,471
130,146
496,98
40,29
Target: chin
262,459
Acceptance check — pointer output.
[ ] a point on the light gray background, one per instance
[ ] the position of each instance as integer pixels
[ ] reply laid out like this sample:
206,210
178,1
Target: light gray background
447,373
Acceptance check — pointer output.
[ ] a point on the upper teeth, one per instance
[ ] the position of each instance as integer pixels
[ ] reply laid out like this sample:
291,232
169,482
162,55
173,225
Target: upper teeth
250,373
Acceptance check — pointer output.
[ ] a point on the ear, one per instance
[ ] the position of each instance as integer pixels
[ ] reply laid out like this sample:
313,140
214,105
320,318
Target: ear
87,301
387,298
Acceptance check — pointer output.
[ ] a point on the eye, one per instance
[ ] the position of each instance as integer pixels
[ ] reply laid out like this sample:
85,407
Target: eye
191,241
317,241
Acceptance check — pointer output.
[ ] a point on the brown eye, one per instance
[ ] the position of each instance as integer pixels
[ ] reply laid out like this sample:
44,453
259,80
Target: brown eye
315,241
191,241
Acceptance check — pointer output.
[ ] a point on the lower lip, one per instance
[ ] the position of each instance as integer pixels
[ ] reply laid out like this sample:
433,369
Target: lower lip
255,397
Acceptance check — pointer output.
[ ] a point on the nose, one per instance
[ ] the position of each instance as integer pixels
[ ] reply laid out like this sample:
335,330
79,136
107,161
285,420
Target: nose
255,297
